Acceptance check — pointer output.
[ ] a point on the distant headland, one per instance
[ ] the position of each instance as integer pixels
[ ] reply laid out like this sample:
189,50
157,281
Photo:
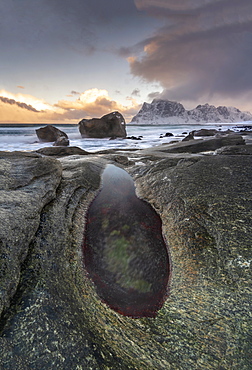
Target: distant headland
166,111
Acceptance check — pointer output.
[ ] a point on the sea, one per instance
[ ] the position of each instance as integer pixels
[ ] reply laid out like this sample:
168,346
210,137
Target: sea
22,137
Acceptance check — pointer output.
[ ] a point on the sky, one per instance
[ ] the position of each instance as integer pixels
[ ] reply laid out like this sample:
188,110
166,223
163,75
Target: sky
64,60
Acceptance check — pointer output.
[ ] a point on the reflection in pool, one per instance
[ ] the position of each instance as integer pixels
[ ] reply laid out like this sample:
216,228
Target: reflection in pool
124,250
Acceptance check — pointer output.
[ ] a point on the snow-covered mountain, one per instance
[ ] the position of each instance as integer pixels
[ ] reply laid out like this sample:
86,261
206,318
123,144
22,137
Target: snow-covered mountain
165,112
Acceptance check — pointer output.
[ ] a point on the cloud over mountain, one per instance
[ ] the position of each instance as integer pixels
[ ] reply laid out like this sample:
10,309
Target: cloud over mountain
203,49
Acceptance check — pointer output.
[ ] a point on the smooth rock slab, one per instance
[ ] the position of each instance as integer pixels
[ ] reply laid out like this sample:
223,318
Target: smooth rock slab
60,322
27,183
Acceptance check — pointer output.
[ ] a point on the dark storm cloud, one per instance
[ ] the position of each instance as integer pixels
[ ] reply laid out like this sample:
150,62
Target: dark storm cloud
48,23
17,103
203,49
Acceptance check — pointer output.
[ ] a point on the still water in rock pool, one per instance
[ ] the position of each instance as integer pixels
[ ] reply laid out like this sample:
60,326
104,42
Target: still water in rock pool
124,251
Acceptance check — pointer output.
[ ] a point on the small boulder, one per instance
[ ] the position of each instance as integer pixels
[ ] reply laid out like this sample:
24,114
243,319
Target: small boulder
190,136
167,134
134,137
110,125
49,134
61,141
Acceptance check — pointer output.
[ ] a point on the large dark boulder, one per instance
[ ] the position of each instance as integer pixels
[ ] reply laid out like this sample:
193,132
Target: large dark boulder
50,133
110,125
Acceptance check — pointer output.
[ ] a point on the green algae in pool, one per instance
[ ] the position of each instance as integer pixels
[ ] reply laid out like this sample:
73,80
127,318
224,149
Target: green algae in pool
124,250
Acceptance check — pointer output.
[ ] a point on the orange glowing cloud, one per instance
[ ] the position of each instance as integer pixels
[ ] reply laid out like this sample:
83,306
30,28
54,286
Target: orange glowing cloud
26,108
38,104
91,103
97,102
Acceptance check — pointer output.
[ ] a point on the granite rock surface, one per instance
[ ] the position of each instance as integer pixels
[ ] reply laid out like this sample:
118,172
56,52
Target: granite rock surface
51,314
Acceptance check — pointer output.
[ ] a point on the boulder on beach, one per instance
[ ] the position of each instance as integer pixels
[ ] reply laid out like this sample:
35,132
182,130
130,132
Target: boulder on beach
52,315
134,137
50,133
60,151
61,141
167,134
189,137
110,125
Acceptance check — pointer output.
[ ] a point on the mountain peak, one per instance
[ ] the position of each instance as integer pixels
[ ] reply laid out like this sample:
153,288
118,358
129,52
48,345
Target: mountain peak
161,111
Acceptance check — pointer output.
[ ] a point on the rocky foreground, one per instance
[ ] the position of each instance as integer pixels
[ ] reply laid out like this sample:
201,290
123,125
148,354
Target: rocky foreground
51,315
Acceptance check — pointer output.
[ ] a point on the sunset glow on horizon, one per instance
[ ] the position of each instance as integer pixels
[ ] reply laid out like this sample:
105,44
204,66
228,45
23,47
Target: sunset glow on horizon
22,108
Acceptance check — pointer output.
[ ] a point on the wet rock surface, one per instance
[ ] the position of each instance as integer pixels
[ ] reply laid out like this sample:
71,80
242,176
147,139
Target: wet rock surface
51,314
123,248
